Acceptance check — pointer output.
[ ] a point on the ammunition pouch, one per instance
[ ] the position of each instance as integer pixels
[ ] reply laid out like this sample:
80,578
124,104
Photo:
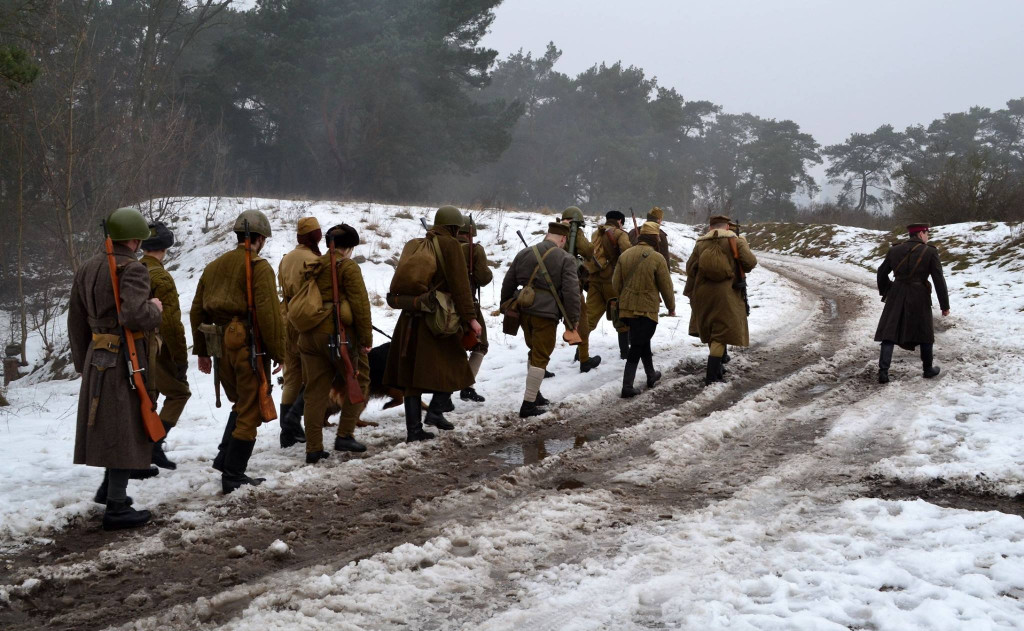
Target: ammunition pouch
107,342
214,335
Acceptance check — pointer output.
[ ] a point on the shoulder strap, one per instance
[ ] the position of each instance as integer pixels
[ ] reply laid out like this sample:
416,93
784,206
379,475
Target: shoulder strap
440,261
919,259
537,267
551,285
611,241
904,259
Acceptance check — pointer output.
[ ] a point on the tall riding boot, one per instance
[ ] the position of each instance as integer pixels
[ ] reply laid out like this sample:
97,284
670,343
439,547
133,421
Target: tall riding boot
291,421
628,376
414,419
714,370
927,357
653,376
101,492
236,461
218,462
160,459
440,403
885,360
624,345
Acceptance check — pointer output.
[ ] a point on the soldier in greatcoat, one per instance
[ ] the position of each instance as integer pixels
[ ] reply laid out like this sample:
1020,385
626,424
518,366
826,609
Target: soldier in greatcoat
480,276
110,432
718,313
419,361
907,316
609,241
289,278
539,320
220,315
170,370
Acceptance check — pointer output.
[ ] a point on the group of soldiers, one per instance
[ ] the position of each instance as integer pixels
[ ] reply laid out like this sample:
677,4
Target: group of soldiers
240,327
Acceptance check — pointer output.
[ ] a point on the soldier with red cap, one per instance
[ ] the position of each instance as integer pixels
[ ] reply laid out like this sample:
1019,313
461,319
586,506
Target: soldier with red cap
907,317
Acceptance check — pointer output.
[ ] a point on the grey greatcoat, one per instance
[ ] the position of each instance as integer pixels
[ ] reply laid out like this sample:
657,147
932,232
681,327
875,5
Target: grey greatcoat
561,266
907,316
116,439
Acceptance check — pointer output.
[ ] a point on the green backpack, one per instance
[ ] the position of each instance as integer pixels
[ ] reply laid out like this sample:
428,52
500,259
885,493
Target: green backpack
306,309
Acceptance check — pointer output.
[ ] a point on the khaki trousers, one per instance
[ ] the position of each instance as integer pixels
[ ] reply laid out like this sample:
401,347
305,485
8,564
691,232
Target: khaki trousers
175,391
239,381
600,292
539,334
292,367
320,374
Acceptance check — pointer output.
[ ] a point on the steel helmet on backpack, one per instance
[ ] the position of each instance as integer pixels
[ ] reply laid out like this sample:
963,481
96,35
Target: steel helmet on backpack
125,224
258,223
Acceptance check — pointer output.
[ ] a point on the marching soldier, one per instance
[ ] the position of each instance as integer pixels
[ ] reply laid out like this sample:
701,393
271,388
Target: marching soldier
609,242
554,284
479,276
418,361
656,215
907,316
583,251
718,312
221,331
289,277
640,276
318,364
170,369
110,432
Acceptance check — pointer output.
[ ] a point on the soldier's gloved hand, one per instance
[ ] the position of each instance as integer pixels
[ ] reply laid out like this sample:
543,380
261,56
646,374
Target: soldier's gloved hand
182,371
205,365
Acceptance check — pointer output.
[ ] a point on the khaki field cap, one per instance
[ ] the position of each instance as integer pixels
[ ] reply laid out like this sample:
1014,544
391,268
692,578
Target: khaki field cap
558,228
717,219
656,214
307,225
650,227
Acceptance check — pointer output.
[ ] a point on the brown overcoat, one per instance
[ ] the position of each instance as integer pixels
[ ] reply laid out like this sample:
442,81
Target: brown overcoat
717,311
907,315
116,439
418,361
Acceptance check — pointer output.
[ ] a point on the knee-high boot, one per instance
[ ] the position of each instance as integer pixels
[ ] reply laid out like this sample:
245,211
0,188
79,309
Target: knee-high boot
218,462
927,357
414,419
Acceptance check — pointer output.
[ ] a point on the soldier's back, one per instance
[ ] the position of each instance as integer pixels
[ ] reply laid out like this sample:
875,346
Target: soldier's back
224,291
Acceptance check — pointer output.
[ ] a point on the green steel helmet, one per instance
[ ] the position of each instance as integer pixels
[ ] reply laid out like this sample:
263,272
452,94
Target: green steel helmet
572,213
467,228
125,224
448,216
258,223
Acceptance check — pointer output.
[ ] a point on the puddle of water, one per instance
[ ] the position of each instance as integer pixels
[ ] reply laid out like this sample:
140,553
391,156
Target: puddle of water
533,451
817,389
833,308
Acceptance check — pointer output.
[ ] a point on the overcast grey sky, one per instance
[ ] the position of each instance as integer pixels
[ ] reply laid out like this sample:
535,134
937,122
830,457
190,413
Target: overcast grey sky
833,67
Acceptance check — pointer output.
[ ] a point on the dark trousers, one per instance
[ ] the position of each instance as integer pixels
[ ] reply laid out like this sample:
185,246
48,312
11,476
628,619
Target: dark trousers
641,330
885,358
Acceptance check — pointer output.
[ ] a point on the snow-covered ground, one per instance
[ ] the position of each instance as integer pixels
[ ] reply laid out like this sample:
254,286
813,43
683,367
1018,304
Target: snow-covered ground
797,547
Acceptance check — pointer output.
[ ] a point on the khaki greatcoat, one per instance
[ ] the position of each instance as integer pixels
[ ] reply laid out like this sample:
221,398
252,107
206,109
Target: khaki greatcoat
717,310
116,439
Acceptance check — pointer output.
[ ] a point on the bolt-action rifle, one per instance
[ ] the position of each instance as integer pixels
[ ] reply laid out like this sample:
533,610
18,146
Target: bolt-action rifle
635,226
469,338
741,277
150,419
340,341
268,411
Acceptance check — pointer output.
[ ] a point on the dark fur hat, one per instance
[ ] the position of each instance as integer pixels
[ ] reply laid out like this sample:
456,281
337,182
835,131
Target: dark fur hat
614,215
343,235
160,238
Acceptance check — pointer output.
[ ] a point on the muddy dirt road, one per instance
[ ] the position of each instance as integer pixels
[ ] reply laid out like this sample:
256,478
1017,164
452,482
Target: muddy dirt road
188,567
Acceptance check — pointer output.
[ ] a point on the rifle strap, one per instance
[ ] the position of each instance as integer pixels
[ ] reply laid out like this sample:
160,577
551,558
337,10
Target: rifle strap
551,285
904,259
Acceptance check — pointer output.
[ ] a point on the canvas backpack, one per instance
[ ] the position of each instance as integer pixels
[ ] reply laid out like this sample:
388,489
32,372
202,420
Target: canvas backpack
416,268
714,264
306,309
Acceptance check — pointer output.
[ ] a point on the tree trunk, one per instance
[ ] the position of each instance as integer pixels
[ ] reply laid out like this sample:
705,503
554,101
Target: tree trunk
21,247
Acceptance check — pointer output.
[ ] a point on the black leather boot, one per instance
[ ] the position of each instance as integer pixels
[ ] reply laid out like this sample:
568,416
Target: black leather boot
927,357
628,376
725,356
218,462
348,443
291,421
313,457
143,474
101,493
714,370
160,459
531,408
542,400
885,360
414,419
470,394
653,378
548,374
590,364
236,461
121,515
624,345
440,403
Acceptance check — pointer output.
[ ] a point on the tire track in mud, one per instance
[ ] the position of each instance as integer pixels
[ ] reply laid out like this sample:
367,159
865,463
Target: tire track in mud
394,508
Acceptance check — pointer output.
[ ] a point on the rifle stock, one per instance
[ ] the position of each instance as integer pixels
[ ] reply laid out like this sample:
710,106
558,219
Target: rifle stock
150,419
339,341
741,282
469,338
268,411
635,226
